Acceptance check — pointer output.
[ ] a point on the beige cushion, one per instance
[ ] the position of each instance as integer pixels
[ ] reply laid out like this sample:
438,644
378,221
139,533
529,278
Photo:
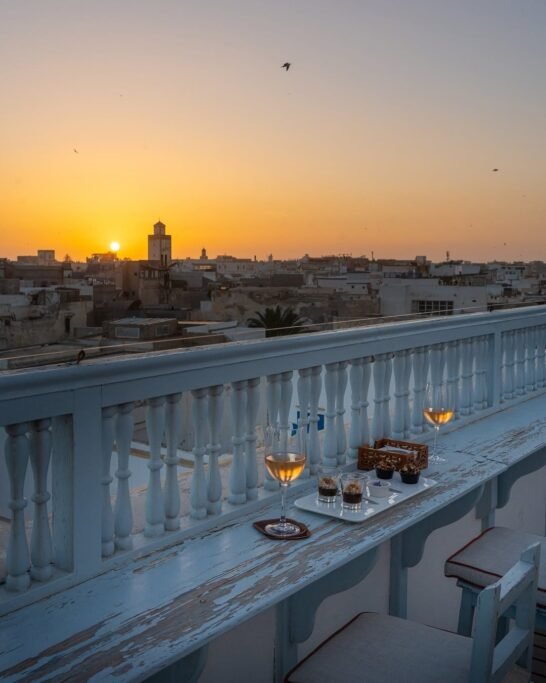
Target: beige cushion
489,556
375,648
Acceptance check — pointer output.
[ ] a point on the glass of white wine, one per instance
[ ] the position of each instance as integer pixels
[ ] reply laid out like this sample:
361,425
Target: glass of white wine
438,410
285,462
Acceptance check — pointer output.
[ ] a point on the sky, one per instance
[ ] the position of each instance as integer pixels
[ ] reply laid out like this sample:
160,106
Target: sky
380,138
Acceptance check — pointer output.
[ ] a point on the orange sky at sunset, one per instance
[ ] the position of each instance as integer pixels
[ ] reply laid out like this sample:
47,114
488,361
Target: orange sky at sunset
382,136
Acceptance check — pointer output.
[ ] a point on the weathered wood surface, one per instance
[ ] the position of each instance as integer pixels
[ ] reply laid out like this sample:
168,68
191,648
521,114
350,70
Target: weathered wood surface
132,622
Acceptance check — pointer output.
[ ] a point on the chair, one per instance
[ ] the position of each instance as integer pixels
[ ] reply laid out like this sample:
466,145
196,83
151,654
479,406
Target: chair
376,648
486,558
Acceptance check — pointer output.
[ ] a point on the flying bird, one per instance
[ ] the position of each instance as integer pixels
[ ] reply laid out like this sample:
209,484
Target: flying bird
495,170
286,66
75,151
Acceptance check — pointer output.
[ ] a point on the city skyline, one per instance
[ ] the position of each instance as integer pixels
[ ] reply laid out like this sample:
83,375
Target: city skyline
382,136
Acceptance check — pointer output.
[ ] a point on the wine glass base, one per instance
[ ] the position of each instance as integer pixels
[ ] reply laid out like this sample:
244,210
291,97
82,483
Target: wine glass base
436,459
283,529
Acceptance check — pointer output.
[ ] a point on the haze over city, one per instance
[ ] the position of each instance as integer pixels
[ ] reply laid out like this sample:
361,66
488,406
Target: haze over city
383,135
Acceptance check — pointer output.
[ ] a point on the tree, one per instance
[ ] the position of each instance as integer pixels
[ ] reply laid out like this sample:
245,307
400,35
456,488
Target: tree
278,322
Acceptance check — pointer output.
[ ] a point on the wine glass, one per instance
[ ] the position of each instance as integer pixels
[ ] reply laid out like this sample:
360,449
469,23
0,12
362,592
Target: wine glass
285,461
438,410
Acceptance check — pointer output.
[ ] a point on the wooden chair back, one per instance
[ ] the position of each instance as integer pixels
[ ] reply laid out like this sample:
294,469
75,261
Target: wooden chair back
490,661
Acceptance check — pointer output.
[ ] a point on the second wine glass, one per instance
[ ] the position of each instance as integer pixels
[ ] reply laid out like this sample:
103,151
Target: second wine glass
438,410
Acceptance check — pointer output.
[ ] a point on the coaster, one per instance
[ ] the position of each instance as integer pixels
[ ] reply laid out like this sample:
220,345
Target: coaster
262,523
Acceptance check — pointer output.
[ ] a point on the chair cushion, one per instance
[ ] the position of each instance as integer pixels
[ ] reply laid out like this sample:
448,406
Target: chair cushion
377,648
489,556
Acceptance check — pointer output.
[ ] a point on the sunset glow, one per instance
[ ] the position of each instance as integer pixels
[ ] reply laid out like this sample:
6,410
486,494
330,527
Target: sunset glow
381,137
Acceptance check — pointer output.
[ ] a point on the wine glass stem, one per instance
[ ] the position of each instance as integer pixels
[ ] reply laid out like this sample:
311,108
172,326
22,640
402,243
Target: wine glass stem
436,430
284,486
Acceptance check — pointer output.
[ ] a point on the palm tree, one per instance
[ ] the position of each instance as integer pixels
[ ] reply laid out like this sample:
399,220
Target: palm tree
278,322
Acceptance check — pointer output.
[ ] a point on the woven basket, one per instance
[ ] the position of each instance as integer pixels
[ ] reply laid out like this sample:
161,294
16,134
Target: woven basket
417,453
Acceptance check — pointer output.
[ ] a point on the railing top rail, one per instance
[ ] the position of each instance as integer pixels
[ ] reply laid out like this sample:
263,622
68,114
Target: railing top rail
158,373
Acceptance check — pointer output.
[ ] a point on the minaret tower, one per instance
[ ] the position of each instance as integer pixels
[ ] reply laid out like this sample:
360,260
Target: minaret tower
159,245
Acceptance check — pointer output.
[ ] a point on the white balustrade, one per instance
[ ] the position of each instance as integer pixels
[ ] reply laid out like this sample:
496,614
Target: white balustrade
462,354
18,559
41,551
107,514
214,448
198,493
171,494
252,404
123,511
237,481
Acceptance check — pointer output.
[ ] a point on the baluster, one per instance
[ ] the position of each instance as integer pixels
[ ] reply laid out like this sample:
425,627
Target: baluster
400,393
17,560
340,412
508,375
123,512
355,379
214,491
466,377
452,378
107,515
329,453
237,481
171,494
304,388
387,396
520,362
252,404
273,402
41,550
364,422
480,381
285,426
379,376
198,491
406,392
420,375
541,373
313,451
530,360
155,426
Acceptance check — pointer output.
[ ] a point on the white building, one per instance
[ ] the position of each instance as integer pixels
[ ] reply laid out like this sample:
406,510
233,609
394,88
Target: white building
427,296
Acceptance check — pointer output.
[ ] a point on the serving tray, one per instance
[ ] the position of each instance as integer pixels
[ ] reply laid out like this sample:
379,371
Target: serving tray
368,509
